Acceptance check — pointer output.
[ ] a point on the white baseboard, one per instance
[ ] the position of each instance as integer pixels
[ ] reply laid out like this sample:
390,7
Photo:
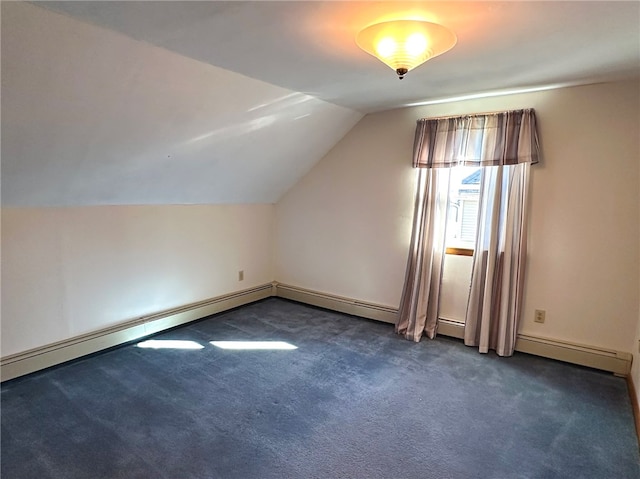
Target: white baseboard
43,357
616,362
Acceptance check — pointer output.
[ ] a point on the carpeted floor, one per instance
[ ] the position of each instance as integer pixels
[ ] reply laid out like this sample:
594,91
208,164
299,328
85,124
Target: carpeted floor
353,401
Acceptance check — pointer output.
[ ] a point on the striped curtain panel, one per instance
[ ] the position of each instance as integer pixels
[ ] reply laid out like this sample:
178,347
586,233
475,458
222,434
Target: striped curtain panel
505,144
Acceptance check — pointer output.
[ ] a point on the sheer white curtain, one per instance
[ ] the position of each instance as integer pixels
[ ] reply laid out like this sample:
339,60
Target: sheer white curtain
505,144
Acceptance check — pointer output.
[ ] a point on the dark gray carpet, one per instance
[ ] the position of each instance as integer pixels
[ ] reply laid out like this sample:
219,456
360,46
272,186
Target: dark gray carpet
354,401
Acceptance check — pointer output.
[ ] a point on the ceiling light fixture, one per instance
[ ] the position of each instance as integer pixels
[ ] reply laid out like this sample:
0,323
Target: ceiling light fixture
405,44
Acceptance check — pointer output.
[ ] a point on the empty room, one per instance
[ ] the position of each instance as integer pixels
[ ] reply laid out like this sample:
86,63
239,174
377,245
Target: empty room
307,239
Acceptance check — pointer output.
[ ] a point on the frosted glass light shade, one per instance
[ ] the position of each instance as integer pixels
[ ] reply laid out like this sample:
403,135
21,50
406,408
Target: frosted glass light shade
405,44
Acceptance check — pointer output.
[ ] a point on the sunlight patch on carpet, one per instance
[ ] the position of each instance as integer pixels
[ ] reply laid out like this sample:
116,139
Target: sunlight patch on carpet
169,344
261,345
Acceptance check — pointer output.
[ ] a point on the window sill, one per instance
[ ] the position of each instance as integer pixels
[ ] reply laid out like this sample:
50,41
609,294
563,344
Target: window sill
459,251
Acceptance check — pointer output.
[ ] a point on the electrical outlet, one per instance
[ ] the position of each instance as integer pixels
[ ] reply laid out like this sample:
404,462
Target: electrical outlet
241,275
539,315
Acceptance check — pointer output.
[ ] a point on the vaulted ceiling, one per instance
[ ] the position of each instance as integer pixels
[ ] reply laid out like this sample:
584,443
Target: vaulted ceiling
232,102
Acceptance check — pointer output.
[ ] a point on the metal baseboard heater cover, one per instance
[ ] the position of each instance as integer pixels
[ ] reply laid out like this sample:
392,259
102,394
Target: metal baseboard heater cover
43,357
341,304
616,362
52,354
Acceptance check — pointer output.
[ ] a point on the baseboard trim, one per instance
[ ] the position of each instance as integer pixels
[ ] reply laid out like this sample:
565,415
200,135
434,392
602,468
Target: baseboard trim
52,354
634,405
333,302
616,362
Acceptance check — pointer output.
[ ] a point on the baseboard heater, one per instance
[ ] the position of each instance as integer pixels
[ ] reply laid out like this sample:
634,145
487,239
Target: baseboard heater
355,307
616,362
43,357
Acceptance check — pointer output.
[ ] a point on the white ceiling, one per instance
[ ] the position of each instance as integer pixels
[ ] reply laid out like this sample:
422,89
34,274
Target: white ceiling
309,47
233,102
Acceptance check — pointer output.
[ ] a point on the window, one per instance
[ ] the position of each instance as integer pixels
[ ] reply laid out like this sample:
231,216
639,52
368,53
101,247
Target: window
462,222
505,145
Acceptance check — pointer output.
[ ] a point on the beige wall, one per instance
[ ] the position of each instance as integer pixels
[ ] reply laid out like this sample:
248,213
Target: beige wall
635,366
456,281
69,271
344,228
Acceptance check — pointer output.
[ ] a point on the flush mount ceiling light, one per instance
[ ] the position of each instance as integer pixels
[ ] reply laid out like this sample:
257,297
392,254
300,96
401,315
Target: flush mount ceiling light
405,44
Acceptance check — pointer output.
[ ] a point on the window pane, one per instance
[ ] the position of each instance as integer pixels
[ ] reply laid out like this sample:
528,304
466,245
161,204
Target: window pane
464,193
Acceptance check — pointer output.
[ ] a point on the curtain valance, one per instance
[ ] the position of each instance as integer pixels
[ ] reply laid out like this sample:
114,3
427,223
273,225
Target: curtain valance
491,139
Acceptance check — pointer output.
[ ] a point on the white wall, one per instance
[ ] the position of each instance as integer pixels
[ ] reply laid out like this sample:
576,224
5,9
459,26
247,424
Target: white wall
69,271
344,228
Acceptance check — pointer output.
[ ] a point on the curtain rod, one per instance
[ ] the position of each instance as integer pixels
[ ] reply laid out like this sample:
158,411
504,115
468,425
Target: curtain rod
474,114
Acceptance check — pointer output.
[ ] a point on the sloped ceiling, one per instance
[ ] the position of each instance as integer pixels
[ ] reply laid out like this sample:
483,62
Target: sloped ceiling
232,102
92,117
